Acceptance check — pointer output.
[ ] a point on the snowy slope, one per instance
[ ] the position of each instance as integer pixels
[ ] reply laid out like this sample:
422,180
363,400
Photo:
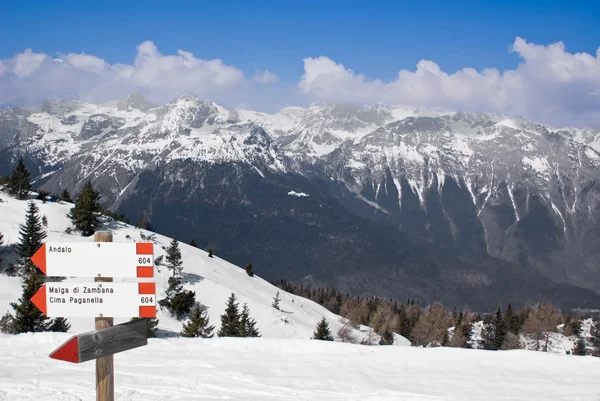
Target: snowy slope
275,369
213,280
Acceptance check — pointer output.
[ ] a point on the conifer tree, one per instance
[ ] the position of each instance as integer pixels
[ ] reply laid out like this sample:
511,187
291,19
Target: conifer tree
178,301
511,322
60,324
31,236
322,332
276,301
198,324
65,196
247,324
1,245
28,318
249,270
19,183
193,243
595,336
387,338
85,214
579,348
144,223
230,320
174,262
494,332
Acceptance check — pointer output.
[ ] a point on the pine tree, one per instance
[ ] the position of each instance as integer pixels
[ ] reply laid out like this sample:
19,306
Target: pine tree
193,243
249,270
85,214
230,320
322,332
60,324
65,196
151,325
276,301
173,258
579,348
178,301
247,324
1,245
511,322
144,223
387,338
494,332
19,183
595,336
31,235
28,318
199,324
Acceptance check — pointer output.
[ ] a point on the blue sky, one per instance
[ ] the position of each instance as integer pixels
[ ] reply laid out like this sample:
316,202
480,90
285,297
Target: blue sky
376,38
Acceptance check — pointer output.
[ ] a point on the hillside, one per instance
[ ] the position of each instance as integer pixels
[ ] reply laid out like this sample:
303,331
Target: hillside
213,280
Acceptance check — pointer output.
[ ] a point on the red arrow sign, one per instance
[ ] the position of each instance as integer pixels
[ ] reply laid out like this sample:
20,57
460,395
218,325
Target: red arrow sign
100,343
93,259
69,351
96,299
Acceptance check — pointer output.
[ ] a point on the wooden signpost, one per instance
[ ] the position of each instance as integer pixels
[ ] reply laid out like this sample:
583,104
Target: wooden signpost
101,343
101,299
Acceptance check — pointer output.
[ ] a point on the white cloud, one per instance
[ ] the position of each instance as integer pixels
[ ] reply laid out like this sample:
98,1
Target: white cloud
30,78
27,63
266,77
550,85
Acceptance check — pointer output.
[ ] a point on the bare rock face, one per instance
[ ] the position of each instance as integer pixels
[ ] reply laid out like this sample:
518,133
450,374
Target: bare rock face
420,203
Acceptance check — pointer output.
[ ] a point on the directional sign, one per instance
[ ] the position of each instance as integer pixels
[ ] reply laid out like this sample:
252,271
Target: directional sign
95,259
99,343
96,299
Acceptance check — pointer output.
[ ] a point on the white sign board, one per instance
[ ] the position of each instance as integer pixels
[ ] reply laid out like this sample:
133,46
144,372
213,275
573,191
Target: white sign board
99,299
96,259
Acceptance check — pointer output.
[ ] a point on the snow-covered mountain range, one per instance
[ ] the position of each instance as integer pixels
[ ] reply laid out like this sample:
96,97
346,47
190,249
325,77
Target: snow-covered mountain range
471,184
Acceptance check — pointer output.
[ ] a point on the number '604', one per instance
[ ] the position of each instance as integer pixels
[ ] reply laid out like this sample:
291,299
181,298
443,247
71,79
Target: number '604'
147,300
144,261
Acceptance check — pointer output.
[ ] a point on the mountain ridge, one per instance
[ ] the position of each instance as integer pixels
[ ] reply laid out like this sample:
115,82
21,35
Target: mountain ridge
473,183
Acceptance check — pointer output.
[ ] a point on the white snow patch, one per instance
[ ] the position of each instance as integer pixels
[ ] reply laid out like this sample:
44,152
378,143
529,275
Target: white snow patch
557,211
538,164
298,194
512,200
399,188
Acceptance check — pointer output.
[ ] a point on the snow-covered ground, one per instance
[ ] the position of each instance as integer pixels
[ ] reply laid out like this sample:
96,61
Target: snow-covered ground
260,369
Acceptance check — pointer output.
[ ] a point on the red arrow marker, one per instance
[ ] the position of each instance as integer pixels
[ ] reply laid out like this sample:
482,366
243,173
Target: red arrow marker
39,258
69,351
39,299
100,343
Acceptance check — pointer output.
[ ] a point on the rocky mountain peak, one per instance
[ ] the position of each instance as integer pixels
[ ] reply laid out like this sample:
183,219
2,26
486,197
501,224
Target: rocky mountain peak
135,101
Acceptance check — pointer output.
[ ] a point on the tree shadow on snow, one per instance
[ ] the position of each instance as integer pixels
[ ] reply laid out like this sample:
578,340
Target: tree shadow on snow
164,334
191,278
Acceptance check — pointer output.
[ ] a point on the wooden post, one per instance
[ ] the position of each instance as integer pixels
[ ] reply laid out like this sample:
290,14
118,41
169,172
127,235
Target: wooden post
105,368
